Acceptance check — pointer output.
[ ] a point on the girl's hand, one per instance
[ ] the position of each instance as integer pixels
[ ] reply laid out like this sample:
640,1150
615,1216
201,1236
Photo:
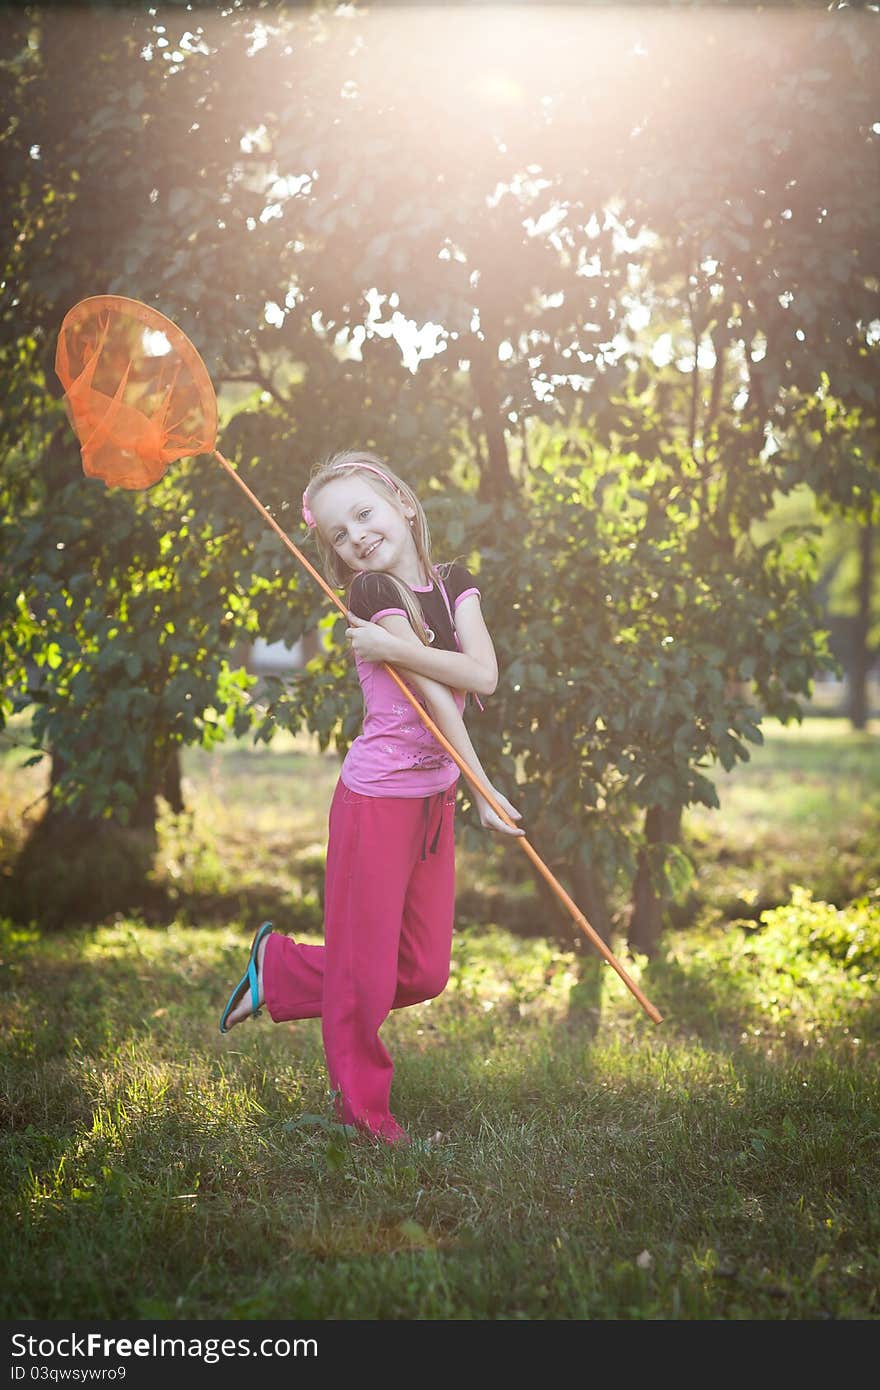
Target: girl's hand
371,641
491,820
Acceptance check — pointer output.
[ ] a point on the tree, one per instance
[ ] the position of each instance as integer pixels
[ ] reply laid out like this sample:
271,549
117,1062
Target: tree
285,229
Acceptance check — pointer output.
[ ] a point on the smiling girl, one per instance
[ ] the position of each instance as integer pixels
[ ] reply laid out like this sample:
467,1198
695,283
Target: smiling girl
390,872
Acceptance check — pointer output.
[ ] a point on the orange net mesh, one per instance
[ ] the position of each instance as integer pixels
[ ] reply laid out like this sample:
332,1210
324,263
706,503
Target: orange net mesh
135,389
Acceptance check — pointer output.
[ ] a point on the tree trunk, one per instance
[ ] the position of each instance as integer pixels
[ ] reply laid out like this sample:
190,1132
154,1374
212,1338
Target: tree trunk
585,995
498,481
590,896
75,868
584,885
860,658
662,826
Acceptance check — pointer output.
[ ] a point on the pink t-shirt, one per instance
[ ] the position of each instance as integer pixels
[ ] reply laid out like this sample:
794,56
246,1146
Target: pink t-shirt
396,755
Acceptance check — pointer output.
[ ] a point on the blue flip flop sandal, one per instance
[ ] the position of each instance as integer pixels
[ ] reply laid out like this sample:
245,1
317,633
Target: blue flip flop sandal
248,978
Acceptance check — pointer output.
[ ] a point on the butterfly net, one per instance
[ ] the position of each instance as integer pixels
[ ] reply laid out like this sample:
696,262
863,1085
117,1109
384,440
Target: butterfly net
137,393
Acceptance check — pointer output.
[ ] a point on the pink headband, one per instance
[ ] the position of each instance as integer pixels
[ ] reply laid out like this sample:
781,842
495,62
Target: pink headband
309,519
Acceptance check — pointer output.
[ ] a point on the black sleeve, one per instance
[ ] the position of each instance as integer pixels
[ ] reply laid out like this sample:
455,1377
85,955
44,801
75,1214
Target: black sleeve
371,593
458,581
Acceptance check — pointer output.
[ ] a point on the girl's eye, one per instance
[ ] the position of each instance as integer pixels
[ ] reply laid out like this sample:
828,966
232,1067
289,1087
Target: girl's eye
340,535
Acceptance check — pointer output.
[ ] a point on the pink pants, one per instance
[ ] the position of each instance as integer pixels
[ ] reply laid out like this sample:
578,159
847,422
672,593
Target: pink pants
388,910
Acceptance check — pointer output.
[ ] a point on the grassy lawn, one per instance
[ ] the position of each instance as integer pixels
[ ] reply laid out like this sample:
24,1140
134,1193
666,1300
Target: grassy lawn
572,1160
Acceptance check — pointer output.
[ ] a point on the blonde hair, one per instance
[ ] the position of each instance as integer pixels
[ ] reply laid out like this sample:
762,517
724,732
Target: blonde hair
360,462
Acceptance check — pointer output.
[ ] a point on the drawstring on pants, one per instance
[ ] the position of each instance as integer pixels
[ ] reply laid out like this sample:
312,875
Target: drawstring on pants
427,805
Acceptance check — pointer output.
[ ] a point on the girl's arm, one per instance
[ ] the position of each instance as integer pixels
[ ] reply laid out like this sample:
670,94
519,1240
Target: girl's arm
475,667
444,712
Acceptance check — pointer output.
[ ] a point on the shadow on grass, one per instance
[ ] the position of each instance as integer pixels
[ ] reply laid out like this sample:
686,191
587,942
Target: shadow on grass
696,1002
160,905
255,903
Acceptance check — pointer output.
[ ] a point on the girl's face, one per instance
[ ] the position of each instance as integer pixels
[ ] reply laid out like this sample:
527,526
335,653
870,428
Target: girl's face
364,526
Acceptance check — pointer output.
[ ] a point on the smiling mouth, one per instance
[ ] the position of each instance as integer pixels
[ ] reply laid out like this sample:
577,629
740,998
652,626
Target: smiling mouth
369,550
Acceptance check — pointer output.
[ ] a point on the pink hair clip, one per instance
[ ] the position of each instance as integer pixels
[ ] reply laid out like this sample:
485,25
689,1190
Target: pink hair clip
307,514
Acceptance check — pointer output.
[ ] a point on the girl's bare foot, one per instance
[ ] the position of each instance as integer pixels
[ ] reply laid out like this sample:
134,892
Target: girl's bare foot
245,1006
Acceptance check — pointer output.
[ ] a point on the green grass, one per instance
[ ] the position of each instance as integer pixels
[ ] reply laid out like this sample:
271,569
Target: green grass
804,809
572,1160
